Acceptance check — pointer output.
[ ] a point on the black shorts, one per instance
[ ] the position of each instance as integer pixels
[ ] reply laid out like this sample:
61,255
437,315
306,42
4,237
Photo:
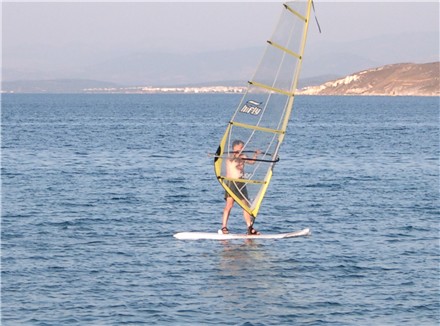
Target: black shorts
239,189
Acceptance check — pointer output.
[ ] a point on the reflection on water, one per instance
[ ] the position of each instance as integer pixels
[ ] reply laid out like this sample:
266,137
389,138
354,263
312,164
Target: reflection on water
256,273
238,259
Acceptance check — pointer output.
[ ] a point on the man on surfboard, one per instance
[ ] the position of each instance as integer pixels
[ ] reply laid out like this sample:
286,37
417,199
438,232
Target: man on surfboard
235,170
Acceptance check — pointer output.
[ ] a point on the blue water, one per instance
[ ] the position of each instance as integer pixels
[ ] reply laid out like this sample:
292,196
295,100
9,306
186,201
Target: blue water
94,186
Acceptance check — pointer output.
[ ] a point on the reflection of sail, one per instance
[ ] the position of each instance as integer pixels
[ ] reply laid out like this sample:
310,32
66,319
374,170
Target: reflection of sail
261,118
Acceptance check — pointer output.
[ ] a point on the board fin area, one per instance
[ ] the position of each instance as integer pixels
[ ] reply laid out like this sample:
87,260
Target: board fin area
231,236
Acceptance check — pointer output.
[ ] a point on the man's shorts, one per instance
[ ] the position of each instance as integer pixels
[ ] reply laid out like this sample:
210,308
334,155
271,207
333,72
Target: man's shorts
239,189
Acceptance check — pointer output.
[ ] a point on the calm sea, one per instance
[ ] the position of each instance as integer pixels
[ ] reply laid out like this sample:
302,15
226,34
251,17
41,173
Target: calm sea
94,187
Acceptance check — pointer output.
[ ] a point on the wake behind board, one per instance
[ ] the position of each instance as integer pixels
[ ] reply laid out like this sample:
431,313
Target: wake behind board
231,236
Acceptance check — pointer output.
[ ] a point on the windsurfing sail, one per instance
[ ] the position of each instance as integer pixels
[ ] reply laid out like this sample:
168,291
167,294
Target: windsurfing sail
260,120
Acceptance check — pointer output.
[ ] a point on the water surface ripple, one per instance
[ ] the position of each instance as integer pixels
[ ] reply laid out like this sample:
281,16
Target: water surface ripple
94,186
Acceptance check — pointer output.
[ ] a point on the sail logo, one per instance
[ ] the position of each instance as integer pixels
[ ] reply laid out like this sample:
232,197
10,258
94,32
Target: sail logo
251,107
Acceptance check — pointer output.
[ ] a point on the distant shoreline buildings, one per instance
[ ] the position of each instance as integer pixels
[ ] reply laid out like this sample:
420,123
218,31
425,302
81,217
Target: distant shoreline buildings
169,90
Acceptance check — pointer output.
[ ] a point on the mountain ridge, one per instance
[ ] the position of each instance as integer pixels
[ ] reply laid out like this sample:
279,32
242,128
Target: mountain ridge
145,66
401,79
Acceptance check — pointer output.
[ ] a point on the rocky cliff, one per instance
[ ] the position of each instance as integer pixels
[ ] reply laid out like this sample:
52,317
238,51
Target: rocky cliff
404,79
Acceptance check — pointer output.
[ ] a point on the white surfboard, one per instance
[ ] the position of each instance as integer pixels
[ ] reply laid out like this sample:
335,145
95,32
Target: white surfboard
230,236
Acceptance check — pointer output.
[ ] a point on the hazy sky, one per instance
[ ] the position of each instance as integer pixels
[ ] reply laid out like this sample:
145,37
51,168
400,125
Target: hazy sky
94,30
196,26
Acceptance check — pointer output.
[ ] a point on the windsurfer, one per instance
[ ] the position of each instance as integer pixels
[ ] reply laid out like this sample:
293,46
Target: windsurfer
235,170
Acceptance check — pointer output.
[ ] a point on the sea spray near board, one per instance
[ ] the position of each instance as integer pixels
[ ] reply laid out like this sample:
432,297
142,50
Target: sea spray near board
261,118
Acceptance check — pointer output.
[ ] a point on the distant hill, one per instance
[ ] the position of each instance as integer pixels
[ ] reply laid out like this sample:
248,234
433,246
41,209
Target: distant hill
396,79
161,69
54,86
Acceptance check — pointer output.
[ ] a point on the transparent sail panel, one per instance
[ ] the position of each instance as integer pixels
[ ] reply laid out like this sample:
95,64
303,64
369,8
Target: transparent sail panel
260,120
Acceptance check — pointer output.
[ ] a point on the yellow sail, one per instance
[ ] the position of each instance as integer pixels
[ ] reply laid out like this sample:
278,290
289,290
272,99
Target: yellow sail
261,118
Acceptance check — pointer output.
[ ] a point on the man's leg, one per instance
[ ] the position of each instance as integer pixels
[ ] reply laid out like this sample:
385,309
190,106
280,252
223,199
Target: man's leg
248,218
227,211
